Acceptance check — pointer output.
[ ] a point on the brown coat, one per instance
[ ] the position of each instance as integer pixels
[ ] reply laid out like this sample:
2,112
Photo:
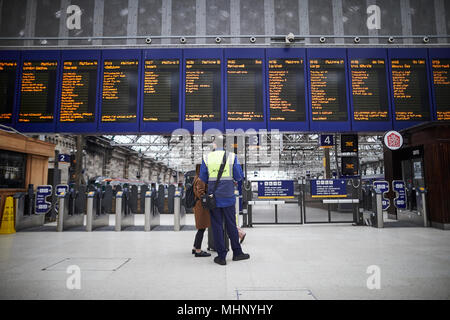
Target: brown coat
202,217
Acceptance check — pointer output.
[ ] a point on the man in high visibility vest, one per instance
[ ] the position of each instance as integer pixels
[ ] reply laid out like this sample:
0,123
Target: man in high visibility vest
225,199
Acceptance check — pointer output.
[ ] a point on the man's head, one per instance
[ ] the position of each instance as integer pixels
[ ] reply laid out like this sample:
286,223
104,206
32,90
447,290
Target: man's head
218,142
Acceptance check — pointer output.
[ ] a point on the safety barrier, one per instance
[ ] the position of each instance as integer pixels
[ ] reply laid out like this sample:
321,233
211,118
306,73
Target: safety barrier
71,208
26,216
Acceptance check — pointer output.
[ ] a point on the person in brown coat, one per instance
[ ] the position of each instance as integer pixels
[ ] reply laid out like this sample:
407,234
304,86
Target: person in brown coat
202,215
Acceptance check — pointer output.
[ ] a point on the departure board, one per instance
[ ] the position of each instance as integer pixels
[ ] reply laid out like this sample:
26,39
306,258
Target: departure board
286,90
328,90
245,90
203,88
78,92
410,89
37,97
7,87
161,90
120,89
441,81
369,90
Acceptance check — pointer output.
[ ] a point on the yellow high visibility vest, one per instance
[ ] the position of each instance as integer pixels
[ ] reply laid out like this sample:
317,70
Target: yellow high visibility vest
213,160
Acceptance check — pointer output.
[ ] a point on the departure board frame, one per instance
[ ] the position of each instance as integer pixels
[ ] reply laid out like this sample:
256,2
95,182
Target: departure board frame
156,126
436,53
204,54
122,127
371,125
41,55
80,127
236,53
410,53
16,57
287,53
328,126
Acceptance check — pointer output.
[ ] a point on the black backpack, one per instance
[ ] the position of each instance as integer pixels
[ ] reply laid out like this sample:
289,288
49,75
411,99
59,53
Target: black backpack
189,199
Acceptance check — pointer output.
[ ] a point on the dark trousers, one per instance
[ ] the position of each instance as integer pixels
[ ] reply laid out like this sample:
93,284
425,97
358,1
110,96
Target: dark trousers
217,217
199,238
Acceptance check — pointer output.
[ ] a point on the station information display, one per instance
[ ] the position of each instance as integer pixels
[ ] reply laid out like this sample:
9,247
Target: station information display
410,89
203,90
161,90
369,90
79,91
245,90
328,90
441,82
120,90
7,87
286,90
37,96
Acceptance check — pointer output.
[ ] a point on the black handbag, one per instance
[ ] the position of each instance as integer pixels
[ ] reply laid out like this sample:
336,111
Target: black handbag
209,199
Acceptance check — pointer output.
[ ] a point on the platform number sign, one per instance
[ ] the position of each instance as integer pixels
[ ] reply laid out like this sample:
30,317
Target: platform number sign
64,158
382,187
42,205
400,200
326,140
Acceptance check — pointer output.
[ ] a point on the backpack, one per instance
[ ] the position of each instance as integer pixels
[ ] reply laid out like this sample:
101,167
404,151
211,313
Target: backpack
189,197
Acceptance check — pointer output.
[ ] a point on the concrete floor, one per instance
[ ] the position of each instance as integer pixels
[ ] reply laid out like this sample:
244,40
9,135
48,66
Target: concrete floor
287,262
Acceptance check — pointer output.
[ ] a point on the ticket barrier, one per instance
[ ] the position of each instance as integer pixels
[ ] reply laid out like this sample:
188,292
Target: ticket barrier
70,214
25,216
95,218
179,214
124,216
152,217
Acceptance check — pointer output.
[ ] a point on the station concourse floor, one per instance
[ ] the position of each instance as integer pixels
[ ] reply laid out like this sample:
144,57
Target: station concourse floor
314,261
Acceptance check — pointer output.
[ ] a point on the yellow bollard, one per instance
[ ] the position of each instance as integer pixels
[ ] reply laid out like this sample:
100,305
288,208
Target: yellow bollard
7,223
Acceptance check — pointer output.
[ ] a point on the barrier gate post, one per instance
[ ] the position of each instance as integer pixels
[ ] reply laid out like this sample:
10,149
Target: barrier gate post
380,223
61,211
178,216
147,212
89,210
423,192
118,225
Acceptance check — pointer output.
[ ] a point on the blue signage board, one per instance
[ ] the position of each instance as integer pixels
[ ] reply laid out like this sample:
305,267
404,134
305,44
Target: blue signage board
42,205
382,187
276,189
61,189
326,140
64,157
329,188
399,187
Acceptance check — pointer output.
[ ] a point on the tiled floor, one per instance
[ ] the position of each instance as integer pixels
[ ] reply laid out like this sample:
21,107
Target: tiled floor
287,262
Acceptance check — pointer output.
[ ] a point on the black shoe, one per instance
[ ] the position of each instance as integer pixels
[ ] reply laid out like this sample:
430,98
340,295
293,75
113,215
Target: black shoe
202,254
242,256
193,251
220,261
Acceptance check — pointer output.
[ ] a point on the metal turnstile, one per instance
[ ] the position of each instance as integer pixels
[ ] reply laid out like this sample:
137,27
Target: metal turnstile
179,214
25,216
124,216
152,217
69,216
94,217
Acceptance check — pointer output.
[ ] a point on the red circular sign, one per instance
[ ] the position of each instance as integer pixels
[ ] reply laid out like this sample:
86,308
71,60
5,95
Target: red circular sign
393,140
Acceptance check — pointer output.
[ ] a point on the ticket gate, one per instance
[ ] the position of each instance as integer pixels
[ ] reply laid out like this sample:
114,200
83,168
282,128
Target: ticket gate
179,214
25,216
160,199
95,218
124,215
70,214
152,217
171,198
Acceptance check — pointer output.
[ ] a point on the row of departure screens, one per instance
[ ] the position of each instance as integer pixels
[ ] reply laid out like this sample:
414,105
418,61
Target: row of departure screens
90,88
